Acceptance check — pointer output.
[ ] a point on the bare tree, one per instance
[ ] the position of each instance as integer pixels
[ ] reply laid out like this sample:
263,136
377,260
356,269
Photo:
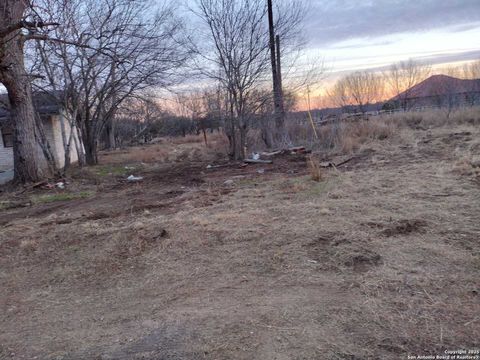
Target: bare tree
128,46
138,120
238,32
359,89
338,94
402,77
471,70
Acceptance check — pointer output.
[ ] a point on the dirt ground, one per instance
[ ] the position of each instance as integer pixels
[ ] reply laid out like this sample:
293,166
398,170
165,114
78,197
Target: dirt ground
379,260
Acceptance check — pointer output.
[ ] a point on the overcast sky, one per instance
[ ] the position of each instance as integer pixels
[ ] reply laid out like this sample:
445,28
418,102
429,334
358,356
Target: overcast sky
355,34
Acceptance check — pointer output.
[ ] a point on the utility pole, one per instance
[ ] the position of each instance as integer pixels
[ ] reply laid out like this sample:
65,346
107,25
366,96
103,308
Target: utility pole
279,75
275,59
310,114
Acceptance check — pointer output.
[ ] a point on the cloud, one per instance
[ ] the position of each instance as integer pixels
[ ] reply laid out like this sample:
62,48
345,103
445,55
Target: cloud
334,21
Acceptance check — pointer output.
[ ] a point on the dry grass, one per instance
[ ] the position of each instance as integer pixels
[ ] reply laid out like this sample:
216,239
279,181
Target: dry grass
314,168
348,137
436,118
353,135
179,149
379,260
212,138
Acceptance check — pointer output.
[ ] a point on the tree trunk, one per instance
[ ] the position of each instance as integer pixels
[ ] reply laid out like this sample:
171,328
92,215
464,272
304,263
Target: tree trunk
28,165
110,143
110,125
90,153
67,148
78,145
243,141
45,146
205,136
232,139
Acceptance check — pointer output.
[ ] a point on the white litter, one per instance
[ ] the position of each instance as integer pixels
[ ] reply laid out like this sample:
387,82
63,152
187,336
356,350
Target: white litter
132,178
60,185
255,156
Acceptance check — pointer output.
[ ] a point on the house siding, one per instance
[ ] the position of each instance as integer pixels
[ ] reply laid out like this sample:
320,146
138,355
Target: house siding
53,133
6,155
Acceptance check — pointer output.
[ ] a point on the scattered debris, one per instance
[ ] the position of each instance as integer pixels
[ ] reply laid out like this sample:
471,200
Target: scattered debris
48,186
261,171
299,150
255,156
132,178
40,184
229,183
292,151
60,185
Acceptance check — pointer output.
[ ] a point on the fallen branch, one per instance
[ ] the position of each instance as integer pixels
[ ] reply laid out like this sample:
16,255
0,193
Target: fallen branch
293,150
251,161
273,153
344,162
329,164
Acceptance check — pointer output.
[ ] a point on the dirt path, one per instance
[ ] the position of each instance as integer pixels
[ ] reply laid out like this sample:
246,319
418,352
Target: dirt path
378,261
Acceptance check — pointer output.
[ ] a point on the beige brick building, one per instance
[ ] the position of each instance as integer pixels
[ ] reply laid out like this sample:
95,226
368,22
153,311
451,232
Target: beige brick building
54,120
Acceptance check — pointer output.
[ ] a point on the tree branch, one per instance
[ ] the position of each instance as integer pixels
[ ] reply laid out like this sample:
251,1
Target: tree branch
25,24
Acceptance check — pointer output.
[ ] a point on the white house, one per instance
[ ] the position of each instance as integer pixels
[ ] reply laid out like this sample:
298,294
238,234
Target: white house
53,118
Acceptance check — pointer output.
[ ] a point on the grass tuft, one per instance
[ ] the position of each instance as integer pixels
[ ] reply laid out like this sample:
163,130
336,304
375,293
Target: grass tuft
49,198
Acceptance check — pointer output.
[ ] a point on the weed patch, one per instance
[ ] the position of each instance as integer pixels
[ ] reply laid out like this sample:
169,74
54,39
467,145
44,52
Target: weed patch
109,170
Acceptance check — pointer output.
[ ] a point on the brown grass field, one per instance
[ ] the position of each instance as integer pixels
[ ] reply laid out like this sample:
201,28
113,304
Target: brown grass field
378,259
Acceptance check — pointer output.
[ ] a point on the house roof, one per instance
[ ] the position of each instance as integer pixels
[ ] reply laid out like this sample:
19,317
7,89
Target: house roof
44,103
438,85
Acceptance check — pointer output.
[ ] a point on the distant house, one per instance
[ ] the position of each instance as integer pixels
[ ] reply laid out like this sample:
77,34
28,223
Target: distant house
53,118
440,91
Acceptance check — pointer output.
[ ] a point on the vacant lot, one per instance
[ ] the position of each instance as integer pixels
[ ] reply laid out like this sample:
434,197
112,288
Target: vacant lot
379,260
